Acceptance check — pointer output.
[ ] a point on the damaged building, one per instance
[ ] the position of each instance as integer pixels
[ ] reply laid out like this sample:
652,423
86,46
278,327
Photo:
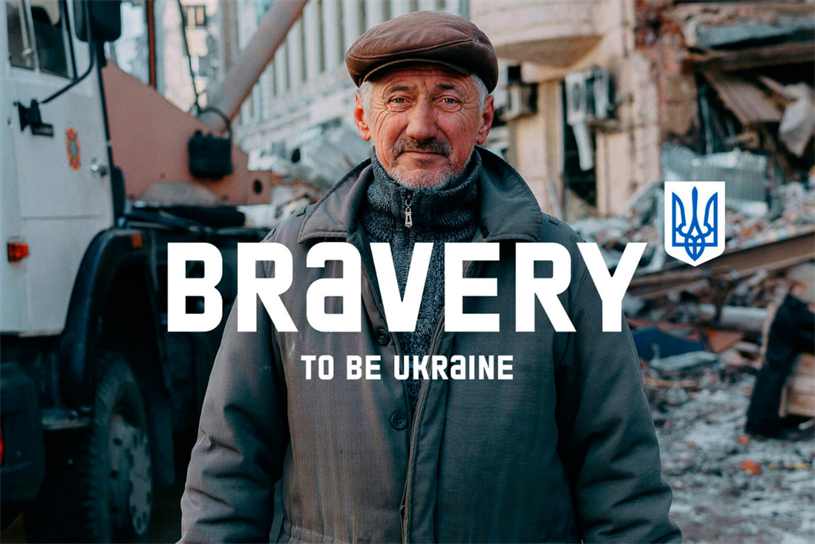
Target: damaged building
736,76
601,86
581,111
597,99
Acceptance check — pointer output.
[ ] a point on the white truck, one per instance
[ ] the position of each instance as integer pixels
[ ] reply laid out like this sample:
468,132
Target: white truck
99,402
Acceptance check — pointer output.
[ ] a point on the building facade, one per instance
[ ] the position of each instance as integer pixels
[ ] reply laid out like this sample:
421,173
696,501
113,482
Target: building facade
307,83
578,159
589,92
540,43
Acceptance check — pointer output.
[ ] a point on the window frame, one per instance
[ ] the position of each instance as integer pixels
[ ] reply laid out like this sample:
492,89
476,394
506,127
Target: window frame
195,8
27,32
67,36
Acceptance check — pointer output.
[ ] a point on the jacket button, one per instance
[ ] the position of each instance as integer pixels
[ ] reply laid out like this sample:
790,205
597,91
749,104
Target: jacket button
399,421
382,337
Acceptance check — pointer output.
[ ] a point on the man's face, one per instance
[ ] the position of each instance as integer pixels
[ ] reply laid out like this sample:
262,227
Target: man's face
424,121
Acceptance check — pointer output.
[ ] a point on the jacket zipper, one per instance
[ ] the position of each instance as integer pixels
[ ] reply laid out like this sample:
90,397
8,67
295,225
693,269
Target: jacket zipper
408,212
396,347
398,350
419,403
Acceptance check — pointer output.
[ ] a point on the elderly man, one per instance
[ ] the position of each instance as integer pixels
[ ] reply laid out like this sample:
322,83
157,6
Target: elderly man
562,452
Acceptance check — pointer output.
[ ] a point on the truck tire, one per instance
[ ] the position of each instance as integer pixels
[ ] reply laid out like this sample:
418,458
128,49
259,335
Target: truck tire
99,482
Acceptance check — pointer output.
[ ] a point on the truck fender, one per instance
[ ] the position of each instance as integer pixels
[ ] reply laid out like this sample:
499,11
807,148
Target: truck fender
114,307
112,254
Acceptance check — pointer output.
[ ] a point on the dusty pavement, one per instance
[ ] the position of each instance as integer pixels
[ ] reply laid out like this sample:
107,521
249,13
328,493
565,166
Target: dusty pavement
729,487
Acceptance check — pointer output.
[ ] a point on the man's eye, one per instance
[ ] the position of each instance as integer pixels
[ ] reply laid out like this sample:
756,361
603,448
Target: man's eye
398,100
450,101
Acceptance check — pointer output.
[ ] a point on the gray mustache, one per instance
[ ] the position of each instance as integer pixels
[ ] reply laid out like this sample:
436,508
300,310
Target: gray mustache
427,146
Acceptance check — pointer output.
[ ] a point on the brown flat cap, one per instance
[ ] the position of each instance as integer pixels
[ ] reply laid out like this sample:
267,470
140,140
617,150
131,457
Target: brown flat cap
424,36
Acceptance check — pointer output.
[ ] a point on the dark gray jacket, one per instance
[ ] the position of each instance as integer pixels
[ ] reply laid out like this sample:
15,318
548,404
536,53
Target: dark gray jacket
564,451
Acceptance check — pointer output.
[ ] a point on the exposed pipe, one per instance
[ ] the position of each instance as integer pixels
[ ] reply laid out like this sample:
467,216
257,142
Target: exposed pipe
260,50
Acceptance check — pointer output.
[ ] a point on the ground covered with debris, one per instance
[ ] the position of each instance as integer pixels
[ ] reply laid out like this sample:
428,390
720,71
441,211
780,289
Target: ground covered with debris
729,486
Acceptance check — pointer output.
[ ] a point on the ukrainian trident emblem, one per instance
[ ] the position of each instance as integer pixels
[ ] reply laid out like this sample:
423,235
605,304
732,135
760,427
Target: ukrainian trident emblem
694,211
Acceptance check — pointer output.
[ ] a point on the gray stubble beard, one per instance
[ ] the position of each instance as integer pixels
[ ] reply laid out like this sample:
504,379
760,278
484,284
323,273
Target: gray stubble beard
445,178
448,176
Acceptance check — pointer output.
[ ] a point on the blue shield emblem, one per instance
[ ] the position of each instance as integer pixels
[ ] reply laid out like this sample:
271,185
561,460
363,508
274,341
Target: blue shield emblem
694,220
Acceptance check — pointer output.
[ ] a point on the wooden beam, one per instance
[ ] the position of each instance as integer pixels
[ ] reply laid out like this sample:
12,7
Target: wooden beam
770,256
798,396
745,59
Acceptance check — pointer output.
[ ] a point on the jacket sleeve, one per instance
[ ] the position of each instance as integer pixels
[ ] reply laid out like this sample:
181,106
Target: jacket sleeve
607,440
242,438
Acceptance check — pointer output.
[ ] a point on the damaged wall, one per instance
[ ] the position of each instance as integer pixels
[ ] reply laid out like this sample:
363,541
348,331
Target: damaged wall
660,41
626,148
712,56
535,144
683,75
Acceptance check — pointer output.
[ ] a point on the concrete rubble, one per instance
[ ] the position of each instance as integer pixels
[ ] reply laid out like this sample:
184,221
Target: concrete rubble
729,486
736,106
703,345
748,222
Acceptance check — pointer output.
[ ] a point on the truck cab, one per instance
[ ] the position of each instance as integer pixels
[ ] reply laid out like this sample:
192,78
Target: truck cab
55,191
100,403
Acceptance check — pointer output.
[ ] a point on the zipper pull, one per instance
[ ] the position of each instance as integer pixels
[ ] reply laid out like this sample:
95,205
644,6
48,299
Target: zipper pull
408,212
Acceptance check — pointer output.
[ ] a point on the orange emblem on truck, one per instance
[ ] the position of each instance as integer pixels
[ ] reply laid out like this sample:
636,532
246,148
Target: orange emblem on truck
72,145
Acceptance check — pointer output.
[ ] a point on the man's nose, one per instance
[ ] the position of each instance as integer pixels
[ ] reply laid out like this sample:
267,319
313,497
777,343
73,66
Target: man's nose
422,122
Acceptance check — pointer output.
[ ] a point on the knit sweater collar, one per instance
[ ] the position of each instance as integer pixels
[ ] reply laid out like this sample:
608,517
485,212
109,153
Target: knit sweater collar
452,207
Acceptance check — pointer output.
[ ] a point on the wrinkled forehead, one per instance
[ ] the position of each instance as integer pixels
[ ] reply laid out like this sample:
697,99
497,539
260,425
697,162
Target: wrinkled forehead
420,77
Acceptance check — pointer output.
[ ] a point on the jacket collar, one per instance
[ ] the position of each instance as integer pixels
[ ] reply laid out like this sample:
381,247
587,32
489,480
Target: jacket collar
508,209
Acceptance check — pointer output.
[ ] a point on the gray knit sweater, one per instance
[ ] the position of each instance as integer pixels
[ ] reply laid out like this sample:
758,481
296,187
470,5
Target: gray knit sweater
446,214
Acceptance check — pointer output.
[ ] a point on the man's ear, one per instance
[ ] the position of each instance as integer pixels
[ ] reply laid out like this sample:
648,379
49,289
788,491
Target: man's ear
359,119
486,120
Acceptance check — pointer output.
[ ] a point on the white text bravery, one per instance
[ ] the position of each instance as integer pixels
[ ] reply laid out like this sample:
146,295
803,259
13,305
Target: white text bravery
401,312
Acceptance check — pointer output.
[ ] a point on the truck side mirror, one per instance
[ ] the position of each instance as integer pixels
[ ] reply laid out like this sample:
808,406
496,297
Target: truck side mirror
102,16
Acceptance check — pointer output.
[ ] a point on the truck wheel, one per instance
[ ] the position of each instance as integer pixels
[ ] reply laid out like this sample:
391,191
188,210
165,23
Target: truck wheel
99,484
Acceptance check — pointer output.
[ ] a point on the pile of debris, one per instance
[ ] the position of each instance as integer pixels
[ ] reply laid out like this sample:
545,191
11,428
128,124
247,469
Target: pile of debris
734,74
794,213
722,373
726,347
729,486
736,105
750,221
